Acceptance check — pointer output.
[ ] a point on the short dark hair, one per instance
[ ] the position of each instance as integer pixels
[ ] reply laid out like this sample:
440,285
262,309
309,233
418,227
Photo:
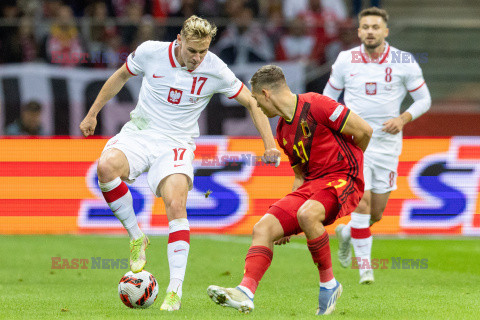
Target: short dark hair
32,106
270,75
373,11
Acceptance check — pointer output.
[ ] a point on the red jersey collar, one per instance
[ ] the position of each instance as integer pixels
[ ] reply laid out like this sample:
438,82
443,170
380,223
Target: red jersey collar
173,60
171,55
384,55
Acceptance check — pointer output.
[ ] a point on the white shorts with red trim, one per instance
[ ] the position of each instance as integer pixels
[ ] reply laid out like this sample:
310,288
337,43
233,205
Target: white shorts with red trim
380,172
147,151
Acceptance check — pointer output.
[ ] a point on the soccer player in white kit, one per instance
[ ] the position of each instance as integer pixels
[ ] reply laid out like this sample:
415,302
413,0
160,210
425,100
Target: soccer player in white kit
179,78
376,78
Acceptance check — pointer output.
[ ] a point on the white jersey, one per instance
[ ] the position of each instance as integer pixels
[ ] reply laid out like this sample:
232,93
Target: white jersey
172,97
375,89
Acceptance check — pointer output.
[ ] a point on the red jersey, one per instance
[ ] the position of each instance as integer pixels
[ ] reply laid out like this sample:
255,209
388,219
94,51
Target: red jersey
313,139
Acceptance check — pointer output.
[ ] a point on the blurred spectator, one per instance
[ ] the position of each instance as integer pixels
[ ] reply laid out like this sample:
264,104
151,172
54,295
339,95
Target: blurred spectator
209,8
314,19
63,45
10,9
297,44
163,8
334,13
357,6
187,9
51,8
123,8
231,8
253,5
347,39
26,44
29,123
244,41
98,14
114,51
291,8
131,20
101,31
275,23
146,31
8,33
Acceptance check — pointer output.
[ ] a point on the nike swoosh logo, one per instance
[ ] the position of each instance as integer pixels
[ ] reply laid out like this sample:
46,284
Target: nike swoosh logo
353,74
156,77
116,209
178,250
178,165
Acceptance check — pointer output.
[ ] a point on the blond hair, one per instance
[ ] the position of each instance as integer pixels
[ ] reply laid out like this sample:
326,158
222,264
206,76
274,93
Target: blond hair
373,11
198,28
269,76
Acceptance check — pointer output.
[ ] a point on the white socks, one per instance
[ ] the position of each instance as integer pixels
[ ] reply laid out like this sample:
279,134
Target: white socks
329,284
361,240
247,291
120,201
178,248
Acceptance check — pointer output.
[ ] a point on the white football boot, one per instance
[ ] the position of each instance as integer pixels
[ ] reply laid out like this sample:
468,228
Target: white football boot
344,250
231,297
366,277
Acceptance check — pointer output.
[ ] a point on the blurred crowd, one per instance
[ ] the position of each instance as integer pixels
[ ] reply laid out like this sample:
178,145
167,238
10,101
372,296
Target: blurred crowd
100,34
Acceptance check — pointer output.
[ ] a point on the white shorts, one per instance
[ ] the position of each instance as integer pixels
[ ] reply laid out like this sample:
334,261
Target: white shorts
380,172
147,151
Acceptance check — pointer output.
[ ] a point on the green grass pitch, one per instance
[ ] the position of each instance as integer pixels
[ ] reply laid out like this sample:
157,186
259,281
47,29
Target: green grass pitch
29,289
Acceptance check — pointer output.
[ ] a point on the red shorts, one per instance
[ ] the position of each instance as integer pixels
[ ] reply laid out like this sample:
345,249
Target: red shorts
339,196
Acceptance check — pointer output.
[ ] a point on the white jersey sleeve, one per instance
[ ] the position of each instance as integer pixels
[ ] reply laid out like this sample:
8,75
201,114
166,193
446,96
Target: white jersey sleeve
136,61
336,82
413,76
416,86
422,101
230,85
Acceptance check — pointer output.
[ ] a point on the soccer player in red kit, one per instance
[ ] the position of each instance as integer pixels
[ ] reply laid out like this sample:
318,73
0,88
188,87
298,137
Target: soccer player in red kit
324,142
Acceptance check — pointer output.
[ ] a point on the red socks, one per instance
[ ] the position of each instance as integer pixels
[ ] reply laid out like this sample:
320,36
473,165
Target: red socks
320,250
259,259
257,262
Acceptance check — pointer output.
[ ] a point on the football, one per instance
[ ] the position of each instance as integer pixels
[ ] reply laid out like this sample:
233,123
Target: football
138,290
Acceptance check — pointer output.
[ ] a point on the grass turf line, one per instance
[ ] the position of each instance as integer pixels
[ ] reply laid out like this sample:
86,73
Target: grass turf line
30,289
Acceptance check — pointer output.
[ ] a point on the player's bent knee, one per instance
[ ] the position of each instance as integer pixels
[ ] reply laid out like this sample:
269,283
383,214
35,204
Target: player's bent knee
109,167
308,215
263,230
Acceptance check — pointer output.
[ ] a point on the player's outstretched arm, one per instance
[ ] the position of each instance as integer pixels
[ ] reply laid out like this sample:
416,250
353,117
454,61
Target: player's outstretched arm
111,87
260,121
359,129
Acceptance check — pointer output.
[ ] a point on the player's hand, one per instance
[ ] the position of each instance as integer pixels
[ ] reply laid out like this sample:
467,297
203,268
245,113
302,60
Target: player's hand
272,155
283,240
88,125
393,126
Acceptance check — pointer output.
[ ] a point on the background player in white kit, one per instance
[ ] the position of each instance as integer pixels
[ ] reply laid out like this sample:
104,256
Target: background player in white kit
376,78
179,78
